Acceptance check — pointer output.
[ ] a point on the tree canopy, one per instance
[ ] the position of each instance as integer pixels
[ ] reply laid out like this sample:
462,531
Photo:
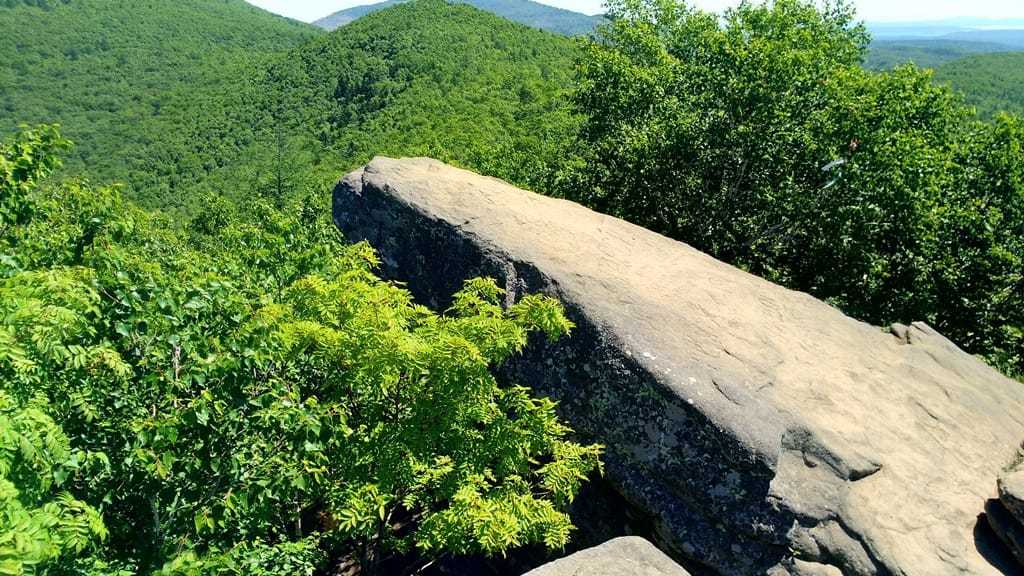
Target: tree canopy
243,396
759,138
179,99
150,90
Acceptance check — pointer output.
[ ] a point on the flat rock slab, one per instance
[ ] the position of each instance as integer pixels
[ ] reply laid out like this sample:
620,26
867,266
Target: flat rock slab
753,424
628,556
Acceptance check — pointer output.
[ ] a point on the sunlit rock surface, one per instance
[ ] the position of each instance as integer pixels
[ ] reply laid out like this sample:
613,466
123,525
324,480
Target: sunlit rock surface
628,556
753,424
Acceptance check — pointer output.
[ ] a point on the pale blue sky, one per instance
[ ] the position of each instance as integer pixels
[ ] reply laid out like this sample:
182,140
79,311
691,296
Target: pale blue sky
873,10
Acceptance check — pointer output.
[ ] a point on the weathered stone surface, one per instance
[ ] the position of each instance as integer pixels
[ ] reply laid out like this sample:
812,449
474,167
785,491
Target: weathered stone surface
627,556
1011,491
752,423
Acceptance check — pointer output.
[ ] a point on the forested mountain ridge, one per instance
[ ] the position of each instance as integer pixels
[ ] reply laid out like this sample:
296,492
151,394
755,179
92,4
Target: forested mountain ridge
148,88
432,78
931,44
533,14
1011,37
207,100
992,83
926,52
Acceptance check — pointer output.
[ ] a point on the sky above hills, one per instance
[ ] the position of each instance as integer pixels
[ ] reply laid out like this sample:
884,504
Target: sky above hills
872,10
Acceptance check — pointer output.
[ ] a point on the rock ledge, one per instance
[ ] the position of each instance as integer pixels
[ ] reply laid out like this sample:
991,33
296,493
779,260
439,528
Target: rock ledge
753,424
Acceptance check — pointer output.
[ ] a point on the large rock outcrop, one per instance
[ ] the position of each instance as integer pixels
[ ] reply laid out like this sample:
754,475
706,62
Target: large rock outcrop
762,430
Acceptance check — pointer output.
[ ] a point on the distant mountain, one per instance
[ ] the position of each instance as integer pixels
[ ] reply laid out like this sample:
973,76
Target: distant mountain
932,44
926,52
533,14
1012,38
941,28
348,15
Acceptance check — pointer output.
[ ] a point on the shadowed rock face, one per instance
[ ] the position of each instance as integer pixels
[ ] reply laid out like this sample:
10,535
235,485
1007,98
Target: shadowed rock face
751,422
1005,516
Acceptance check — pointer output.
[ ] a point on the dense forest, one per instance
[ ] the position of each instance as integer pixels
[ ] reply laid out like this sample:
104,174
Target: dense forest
199,376
992,83
176,99
151,89
926,53
433,79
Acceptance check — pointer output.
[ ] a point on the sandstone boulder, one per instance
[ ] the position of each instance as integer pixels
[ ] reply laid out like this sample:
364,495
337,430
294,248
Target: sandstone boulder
627,556
753,424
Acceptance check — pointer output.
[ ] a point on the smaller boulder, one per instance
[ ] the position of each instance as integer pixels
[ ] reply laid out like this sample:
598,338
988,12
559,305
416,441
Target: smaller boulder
802,568
1011,492
628,556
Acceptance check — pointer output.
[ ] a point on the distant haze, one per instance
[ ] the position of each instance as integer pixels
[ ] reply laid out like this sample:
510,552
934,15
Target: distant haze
873,10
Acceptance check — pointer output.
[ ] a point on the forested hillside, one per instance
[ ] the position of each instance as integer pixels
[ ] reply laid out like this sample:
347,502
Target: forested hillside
926,52
176,99
992,83
148,88
988,74
532,14
434,79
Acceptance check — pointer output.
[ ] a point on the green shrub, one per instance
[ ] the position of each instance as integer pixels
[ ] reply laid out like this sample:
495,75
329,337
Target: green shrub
247,397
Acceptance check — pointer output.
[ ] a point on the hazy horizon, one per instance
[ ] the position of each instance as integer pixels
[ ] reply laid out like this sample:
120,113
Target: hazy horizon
880,11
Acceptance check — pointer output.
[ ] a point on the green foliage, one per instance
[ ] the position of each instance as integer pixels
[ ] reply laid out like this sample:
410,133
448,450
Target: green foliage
150,90
244,397
23,163
40,526
300,558
429,78
181,100
44,4
760,139
992,83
